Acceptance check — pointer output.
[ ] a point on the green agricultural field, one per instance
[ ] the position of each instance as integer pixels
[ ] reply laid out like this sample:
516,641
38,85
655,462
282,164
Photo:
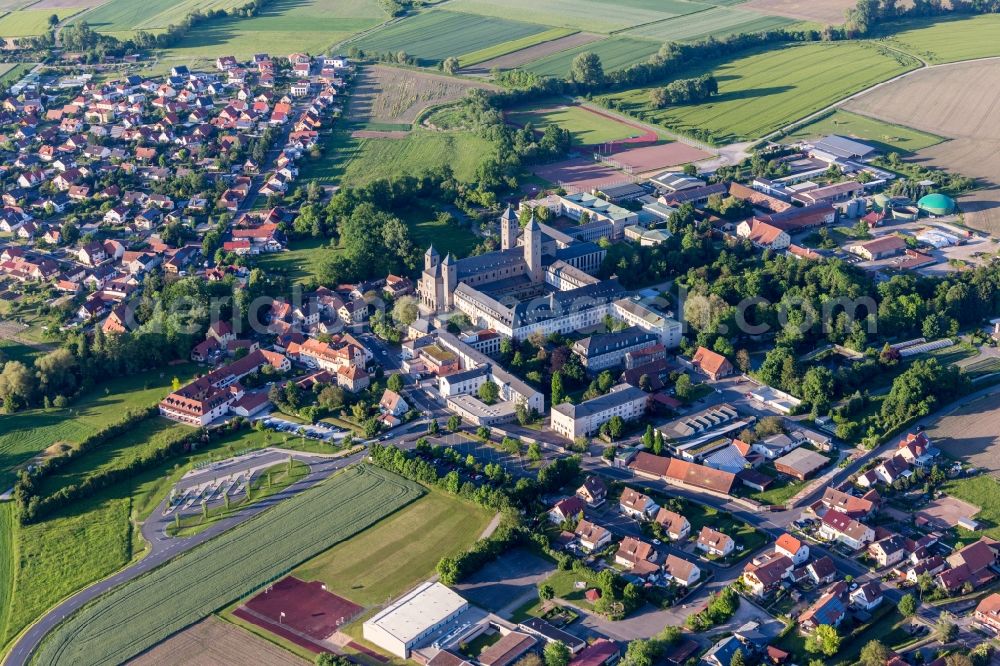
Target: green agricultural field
283,26
588,15
81,544
7,555
886,136
715,22
24,434
31,22
407,545
435,35
768,89
124,16
142,612
587,128
14,71
615,53
946,39
482,55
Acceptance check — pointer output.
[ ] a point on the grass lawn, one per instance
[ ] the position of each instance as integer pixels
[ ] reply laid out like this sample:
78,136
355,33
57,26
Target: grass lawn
497,50
26,433
984,492
281,478
885,136
301,261
7,549
564,585
783,489
147,436
78,545
309,26
615,53
11,350
587,128
406,547
355,161
589,15
769,88
432,36
949,39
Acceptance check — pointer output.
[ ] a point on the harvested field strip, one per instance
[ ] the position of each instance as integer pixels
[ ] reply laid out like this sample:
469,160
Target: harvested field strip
768,88
715,22
824,12
215,642
129,15
7,559
497,50
591,15
615,53
532,53
435,35
141,613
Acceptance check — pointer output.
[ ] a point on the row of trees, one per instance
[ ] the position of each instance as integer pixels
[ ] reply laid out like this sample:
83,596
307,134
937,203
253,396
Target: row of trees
684,91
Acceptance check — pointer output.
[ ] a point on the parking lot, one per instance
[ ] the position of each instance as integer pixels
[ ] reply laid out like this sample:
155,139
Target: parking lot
319,432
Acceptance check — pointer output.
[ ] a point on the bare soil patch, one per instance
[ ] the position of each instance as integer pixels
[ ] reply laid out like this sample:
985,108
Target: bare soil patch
524,56
981,210
214,642
663,156
971,433
945,512
827,12
389,95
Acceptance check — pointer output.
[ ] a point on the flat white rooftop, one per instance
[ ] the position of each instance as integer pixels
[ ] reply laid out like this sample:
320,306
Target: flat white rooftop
421,608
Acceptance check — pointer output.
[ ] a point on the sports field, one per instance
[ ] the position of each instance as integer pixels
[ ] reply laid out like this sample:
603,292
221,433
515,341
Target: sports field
406,545
587,127
139,614
435,35
30,22
589,15
310,26
615,53
306,607
887,136
26,433
764,91
715,22
946,39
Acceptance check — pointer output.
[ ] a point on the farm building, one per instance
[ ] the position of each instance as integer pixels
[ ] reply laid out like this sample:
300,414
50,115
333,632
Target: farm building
400,626
936,204
801,463
835,147
880,248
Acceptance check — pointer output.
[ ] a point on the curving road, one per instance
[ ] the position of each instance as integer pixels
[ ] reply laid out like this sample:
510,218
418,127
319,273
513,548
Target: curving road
163,548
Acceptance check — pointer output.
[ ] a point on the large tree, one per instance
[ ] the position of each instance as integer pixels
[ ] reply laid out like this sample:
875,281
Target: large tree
587,69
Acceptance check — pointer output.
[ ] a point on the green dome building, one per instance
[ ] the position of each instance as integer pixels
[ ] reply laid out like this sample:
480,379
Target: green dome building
936,204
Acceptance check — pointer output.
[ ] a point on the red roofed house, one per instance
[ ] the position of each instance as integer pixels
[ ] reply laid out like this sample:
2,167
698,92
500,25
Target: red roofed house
637,505
716,366
763,235
792,548
600,652
763,579
988,612
566,509
675,526
836,526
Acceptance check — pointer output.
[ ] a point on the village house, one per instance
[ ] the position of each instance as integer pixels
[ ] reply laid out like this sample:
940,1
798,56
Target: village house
761,580
792,548
637,505
675,526
715,365
836,526
569,508
715,543
592,537
593,491
681,571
